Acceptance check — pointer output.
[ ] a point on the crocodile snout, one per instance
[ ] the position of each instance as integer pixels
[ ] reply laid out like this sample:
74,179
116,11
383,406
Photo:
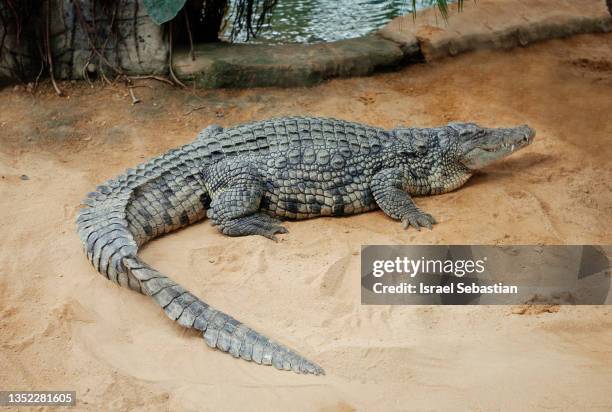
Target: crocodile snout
528,134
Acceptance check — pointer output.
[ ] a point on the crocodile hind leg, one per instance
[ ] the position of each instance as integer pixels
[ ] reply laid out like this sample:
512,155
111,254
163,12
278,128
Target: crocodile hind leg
236,189
255,224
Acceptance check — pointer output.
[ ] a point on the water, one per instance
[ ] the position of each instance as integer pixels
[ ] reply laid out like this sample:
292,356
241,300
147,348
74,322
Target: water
316,21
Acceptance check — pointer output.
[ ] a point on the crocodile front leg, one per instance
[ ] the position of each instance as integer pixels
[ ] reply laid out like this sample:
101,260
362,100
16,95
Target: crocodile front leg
388,190
236,189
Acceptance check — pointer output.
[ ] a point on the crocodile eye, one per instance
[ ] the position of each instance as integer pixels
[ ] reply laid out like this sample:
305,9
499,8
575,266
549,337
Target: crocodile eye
420,146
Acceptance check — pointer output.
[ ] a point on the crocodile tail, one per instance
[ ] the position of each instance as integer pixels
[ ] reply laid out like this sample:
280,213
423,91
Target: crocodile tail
218,329
104,231
103,226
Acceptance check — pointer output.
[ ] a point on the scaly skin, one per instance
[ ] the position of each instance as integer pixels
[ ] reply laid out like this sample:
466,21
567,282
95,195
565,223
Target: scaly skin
248,177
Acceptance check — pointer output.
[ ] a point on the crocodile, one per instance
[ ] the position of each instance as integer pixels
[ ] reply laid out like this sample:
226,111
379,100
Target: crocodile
248,178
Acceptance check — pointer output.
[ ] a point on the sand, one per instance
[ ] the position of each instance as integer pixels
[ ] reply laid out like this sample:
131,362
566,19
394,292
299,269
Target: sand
63,326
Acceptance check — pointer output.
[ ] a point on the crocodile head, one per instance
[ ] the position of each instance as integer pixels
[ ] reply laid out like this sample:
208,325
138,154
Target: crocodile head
478,146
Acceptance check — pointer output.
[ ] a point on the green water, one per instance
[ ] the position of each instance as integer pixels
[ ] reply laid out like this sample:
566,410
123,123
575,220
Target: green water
315,21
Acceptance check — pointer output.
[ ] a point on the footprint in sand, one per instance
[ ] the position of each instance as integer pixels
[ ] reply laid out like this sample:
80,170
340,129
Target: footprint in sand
216,262
332,278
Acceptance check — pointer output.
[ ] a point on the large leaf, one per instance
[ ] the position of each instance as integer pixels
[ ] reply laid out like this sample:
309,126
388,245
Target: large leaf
162,11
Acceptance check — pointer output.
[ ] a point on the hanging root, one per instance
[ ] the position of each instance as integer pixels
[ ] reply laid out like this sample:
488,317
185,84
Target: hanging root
170,62
32,19
244,11
188,26
48,49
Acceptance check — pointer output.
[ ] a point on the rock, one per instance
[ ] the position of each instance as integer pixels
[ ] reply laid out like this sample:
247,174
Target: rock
19,56
252,65
493,24
142,48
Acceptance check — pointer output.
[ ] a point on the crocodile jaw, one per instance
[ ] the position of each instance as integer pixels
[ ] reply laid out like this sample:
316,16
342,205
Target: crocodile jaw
494,144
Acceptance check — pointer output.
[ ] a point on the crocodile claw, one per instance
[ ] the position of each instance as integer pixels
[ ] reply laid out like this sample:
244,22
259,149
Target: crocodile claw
273,231
418,220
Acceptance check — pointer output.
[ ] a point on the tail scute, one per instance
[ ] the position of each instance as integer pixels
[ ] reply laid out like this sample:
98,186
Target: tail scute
218,329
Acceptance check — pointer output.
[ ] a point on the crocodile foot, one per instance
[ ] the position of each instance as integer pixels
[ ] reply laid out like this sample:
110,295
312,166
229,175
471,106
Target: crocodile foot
418,220
255,224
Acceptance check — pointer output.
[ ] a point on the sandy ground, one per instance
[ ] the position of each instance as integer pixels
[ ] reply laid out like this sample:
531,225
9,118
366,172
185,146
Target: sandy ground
65,327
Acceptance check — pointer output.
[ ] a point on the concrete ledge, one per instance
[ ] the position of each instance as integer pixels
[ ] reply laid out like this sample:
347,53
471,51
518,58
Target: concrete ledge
494,24
488,24
243,65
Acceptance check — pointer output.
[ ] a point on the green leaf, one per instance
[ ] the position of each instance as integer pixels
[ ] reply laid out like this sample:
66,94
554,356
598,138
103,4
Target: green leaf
162,11
442,6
